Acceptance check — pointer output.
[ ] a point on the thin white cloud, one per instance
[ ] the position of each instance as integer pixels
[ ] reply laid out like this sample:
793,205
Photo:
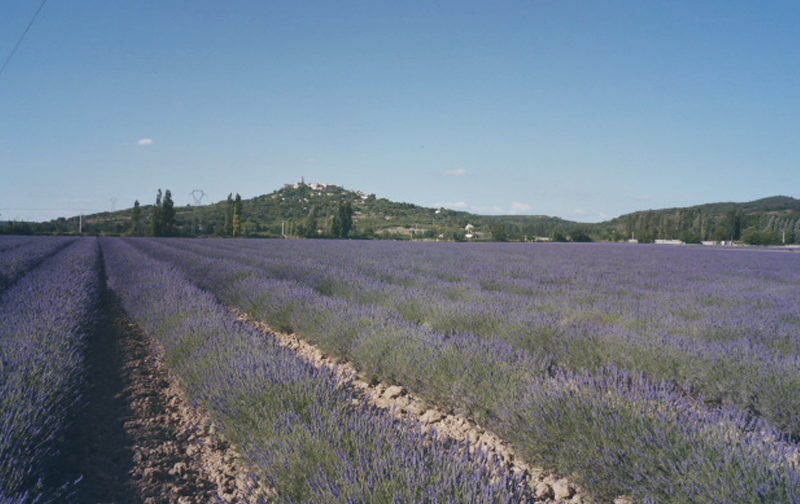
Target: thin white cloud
145,141
643,197
458,173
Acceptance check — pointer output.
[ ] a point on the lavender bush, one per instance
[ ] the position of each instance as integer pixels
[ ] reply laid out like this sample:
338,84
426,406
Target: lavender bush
45,318
300,431
700,320
20,254
618,432
473,326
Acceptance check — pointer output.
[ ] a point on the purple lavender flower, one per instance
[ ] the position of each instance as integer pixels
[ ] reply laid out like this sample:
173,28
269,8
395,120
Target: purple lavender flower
45,318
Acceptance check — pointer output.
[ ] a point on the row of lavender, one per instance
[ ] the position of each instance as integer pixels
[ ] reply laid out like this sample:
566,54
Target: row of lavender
47,312
301,433
20,254
613,429
721,323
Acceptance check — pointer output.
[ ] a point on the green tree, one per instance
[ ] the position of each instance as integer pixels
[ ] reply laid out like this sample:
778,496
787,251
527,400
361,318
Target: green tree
499,233
237,216
347,219
753,236
689,236
579,235
156,219
229,216
730,227
335,224
557,235
309,227
645,237
136,220
342,221
167,215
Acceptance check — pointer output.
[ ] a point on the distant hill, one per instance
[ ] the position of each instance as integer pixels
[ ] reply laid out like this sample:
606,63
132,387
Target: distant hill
775,220
287,212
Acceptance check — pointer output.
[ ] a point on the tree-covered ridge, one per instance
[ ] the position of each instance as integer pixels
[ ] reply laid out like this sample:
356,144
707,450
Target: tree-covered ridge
773,220
328,211
289,212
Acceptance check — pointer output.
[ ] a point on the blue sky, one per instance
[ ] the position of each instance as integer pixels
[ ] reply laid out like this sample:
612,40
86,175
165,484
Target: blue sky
584,110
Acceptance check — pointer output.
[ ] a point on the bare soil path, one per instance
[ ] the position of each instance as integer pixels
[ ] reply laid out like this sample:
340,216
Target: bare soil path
137,441
396,400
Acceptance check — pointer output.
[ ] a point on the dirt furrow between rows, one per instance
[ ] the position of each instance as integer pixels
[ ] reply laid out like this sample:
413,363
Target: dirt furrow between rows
138,441
546,487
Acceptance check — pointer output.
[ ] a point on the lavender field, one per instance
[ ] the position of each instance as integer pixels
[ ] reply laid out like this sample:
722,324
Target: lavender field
666,374
48,306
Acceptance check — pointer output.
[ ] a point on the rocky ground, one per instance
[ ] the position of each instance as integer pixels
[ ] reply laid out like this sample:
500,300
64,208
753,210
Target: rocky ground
547,488
138,440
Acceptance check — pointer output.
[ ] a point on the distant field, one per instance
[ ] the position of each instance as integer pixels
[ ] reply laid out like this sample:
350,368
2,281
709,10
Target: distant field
665,373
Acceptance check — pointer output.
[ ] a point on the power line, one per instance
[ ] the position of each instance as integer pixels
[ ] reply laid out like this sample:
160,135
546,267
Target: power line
198,196
41,6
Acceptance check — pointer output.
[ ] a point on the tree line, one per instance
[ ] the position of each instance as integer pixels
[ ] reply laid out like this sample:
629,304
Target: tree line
305,213
694,226
162,218
339,224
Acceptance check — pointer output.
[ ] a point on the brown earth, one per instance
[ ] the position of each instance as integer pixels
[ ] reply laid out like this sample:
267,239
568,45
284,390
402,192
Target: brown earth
546,487
138,441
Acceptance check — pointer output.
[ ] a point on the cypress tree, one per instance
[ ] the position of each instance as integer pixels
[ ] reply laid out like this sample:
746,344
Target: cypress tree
309,229
155,222
229,216
136,220
237,216
342,221
167,215
346,219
